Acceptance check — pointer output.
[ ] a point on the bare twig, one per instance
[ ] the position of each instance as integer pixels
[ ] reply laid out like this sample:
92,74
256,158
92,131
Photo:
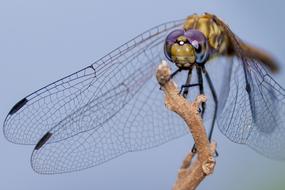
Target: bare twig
191,172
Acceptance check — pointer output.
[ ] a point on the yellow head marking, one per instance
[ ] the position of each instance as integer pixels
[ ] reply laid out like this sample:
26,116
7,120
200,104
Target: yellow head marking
182,54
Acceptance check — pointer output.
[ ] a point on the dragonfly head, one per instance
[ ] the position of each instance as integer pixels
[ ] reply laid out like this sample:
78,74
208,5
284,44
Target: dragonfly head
186,48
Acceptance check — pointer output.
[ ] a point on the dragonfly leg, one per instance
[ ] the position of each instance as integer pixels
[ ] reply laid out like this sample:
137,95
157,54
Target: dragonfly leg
201,88
174,73
185,88
201,91
214,94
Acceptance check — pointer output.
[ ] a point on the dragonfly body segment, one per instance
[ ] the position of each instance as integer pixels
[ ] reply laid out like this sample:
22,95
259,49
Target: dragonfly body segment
217,37
212,38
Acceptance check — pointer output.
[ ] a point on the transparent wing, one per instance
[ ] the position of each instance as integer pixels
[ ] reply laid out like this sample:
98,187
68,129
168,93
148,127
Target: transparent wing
252,112
254,115
142,121
104,88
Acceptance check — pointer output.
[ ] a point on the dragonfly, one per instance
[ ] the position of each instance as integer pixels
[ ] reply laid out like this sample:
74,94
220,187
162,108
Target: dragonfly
115,106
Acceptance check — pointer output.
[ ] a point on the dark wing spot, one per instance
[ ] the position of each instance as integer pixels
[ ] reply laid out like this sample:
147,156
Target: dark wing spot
247,88
43,140
18,106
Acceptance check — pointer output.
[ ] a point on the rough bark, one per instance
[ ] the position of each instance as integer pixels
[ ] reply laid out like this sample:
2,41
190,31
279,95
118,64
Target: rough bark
192,172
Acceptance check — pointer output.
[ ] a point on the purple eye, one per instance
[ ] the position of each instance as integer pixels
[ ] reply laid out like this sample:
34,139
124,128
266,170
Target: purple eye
172,37
195,37
186,40
170,40
198,40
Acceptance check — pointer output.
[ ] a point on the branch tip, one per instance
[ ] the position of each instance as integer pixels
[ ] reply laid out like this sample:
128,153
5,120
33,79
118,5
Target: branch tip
191,173
163,73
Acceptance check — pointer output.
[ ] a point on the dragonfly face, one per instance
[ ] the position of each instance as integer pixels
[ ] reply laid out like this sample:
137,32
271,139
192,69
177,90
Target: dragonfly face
186,48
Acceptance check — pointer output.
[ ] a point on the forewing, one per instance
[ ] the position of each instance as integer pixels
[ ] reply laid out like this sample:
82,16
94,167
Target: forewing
34,115
142,122
55,105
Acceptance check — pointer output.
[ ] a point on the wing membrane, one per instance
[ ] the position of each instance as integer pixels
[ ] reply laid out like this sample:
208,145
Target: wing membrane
45,107
144,122
254,110
91,136
255,118
50,106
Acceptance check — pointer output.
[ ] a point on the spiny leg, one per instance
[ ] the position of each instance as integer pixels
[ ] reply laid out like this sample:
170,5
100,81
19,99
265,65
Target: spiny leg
201,91
201,88
187,85
185,89
174,73
214,94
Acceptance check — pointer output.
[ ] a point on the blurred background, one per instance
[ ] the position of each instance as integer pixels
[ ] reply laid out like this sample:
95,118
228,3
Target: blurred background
41,41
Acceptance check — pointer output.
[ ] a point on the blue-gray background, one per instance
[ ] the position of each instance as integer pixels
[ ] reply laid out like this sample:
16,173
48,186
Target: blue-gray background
41,41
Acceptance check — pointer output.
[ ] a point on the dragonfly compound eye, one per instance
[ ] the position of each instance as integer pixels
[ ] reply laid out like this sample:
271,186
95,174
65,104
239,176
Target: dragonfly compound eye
198,40
178,49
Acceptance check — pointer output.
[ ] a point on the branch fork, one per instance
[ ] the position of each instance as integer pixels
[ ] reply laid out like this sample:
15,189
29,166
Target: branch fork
191,172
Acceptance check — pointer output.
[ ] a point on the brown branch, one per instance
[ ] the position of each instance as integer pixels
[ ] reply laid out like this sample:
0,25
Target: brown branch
191,172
